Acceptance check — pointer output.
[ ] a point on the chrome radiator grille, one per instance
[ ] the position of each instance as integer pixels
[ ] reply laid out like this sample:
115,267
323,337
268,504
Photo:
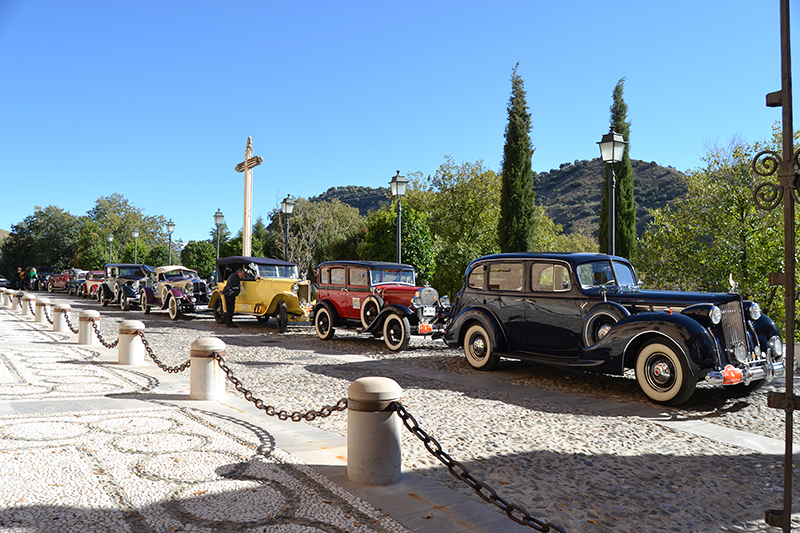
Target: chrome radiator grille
733,324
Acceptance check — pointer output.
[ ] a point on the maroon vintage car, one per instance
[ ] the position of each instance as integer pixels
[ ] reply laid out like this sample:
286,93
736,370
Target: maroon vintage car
59,281
378,298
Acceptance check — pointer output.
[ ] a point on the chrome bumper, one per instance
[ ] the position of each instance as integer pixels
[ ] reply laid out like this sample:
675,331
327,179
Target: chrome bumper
753,371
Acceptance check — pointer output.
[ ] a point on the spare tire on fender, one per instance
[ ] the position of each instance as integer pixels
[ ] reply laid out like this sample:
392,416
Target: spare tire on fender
600,320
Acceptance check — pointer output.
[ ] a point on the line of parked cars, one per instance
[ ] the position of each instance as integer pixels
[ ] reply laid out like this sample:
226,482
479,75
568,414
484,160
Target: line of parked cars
581,311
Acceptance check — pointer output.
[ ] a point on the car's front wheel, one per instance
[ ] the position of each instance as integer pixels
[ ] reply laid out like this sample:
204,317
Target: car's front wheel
103,299
49,287
219,312
323,323
174,308
663,374
143,303
396,332
124,303
282,317
478,348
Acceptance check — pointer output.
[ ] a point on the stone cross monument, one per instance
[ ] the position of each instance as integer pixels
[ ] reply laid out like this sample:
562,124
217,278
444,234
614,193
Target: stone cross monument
246,166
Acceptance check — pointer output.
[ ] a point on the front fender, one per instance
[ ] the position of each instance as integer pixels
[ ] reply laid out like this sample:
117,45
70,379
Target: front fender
377,324
454,333
149,295
214,297
129,292
765,329
619,348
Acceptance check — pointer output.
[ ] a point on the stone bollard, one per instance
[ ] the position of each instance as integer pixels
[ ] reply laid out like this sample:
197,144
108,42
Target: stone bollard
42,310
16,300
130,348
28,301
3,296
373,431
87,319
59,320
8,297
206,378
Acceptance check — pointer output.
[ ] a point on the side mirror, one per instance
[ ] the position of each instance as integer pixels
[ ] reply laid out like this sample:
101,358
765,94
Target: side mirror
566,285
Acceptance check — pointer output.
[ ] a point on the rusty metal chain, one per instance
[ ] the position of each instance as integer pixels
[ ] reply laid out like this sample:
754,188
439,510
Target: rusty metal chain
69,322
459,471
47,314
170,369
30,306
108,345
295,416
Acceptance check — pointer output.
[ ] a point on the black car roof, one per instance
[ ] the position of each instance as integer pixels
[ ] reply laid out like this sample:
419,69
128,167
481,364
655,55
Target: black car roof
134,265
380,265
266,261
570,257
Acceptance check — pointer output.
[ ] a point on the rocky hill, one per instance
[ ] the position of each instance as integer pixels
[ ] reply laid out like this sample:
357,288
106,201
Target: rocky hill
366,199
572,193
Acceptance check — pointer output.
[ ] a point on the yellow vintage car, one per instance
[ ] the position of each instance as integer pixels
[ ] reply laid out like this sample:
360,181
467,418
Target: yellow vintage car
270,288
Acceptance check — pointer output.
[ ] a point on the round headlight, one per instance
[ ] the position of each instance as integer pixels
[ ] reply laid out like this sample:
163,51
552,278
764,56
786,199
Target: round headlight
755,311
715,314
740,352
416,301
776,346
444,300
188,288
295,289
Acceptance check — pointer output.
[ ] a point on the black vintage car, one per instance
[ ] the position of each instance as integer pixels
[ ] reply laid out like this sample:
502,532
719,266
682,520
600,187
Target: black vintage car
122,284
586,312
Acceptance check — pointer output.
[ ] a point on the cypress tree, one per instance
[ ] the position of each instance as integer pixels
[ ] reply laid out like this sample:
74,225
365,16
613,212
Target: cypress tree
625,224
515,228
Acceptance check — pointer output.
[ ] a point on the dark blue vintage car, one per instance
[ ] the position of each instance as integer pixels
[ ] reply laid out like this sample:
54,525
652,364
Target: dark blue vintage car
586,312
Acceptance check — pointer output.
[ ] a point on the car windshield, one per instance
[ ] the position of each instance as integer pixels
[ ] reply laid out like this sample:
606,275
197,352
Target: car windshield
391,276
275,271
130,272
598,273
180,273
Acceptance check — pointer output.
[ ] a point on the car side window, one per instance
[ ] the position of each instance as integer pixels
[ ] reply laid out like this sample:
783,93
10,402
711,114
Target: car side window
337,276
506,277
476,278
323,276
357,277
548,277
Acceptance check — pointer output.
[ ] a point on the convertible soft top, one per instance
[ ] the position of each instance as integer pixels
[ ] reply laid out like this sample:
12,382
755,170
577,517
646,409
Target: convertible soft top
266,261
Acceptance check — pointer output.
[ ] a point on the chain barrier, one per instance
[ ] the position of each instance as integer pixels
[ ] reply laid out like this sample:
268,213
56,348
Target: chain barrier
459,471
170,369
47,314
295,416
30,306
69,322
108,345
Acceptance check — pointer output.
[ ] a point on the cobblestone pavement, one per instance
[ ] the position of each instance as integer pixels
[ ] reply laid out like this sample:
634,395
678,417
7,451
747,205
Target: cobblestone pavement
583,451
77,454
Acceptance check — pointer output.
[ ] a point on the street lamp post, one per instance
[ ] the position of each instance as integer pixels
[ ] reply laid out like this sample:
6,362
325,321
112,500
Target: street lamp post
170,229
219,218
110,240
287,206
398,185
612,146
136,246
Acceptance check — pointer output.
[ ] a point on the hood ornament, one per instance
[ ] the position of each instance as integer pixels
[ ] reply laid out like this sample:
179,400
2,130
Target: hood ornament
734,284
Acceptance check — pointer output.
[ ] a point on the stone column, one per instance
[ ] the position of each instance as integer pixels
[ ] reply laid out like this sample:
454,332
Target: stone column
130,350
206,378
373,432
59,320
28,301
16,300
42,309
86,326
3,296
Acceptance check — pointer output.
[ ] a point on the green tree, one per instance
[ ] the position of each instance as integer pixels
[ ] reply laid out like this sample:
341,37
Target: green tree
116,215
157,255
625,208
380,240
47,237
717,231
200,256
515,229
92,249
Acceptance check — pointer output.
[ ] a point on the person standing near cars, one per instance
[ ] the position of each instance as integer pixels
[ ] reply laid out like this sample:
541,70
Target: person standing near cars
32,279
232,288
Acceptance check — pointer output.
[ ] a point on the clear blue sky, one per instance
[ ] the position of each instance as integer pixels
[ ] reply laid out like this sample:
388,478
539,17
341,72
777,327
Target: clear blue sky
155,100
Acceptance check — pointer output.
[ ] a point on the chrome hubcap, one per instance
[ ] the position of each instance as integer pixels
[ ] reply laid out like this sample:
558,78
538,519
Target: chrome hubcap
662,373
478,347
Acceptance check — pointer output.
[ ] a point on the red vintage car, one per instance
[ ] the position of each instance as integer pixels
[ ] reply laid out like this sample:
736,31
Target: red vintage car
377,298
60,281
